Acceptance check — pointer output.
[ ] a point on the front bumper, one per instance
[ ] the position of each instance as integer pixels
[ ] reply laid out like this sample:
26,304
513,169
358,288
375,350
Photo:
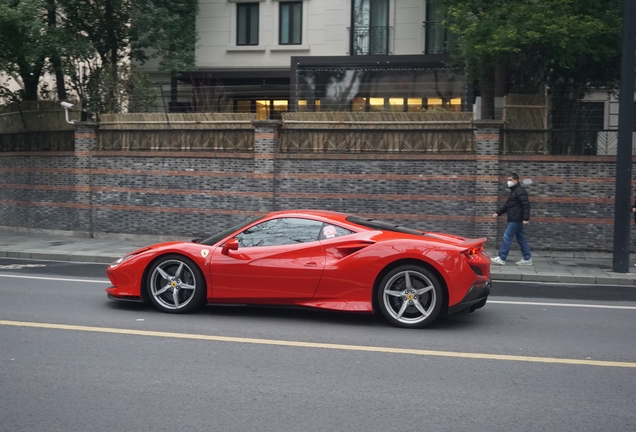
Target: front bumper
126,298
475,298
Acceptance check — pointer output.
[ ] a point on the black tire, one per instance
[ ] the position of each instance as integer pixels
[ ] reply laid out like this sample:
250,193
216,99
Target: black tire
410,296
176,274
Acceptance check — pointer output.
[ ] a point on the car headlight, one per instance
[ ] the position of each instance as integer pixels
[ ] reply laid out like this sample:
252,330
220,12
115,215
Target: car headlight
120,260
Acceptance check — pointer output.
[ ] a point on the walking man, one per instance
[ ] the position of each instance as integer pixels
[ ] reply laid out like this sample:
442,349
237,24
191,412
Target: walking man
518,208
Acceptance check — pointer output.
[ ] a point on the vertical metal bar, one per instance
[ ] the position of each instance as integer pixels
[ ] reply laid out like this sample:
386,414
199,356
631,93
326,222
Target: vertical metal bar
622,215
546,112
293,88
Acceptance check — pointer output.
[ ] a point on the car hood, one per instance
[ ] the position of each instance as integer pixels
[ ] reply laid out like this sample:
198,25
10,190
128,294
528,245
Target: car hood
156,246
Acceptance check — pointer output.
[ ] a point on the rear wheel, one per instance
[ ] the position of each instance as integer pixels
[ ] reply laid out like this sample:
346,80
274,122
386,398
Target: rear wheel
176,285
410,296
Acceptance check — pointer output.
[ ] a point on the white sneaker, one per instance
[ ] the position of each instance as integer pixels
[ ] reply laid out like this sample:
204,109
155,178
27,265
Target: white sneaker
497,260
525,262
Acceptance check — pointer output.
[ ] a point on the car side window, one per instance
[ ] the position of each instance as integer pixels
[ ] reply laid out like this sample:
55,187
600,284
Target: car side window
328,231
281,231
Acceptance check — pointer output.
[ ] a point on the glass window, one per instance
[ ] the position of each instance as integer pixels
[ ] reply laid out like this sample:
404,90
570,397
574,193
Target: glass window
243,106
455,104
291,23
247,23
281,231
262,109
434,102
370,27
280,105
396,104
414,105
376,104
210,241
358,104
331,231
437,38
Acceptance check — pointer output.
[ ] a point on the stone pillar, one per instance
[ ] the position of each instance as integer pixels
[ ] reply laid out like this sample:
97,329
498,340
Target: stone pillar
487,142
85,144
266,133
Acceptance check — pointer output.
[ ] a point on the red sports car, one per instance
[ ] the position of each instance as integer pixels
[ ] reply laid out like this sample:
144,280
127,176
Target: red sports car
317,259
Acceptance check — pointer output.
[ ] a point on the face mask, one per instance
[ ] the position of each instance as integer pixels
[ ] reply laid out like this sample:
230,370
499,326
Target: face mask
510,183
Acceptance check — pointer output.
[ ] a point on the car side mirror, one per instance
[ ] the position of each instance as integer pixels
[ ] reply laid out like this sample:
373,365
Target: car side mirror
231,244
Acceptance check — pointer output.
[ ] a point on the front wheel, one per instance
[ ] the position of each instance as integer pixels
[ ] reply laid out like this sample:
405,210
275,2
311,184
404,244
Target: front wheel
176,285
410,296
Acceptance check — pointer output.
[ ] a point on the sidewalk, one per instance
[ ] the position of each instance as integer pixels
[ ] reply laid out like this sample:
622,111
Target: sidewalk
593,268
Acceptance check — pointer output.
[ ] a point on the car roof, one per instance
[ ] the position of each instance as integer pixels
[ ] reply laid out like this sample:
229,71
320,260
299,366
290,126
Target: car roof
347,219
325,214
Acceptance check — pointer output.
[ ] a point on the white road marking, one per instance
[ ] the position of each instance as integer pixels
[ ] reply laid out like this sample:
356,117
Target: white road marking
48,278
56,261
580,305
20,266
526,282
341,347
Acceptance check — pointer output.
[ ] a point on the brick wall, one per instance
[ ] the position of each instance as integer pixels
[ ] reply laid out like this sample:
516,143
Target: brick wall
38,190
182,194
572,200
430,192
175,193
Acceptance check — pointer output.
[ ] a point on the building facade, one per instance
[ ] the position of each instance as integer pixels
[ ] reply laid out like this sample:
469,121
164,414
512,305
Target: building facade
272,56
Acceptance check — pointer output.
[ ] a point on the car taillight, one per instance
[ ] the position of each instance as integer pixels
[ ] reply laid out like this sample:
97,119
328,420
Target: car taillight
473,252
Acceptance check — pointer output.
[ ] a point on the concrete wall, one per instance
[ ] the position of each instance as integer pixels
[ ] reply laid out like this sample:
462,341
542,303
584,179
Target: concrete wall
183,194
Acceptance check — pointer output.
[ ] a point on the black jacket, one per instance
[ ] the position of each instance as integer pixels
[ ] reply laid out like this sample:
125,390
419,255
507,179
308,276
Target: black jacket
633,207
517,206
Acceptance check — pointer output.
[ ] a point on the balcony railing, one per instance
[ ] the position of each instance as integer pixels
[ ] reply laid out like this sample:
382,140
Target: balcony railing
437,39
373,40
561,141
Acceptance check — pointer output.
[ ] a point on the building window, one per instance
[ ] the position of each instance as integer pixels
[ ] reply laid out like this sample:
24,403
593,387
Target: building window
291,23
370,27
247,24
437,38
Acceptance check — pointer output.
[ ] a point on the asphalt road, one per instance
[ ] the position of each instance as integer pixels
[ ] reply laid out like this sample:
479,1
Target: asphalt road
554,358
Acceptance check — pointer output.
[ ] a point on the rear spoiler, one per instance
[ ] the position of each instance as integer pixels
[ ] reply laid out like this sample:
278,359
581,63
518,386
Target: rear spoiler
473,243
473,247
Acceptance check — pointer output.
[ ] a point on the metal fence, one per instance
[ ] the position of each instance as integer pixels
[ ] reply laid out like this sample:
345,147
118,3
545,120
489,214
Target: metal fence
370,40
561,141
60,140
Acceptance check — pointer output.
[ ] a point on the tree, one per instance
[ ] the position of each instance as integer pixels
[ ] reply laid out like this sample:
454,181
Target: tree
92,45
24,40
568,45
124,31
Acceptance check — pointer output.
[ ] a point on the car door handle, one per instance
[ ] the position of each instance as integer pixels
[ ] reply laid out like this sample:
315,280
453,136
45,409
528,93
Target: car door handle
311,264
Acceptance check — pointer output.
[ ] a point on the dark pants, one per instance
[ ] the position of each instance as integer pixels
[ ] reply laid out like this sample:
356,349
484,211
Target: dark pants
514,229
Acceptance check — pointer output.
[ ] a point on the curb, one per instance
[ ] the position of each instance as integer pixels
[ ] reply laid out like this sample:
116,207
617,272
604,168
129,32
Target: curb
565,278
71,257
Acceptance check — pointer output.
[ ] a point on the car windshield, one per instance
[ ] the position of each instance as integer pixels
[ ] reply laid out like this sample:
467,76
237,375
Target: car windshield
210,241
